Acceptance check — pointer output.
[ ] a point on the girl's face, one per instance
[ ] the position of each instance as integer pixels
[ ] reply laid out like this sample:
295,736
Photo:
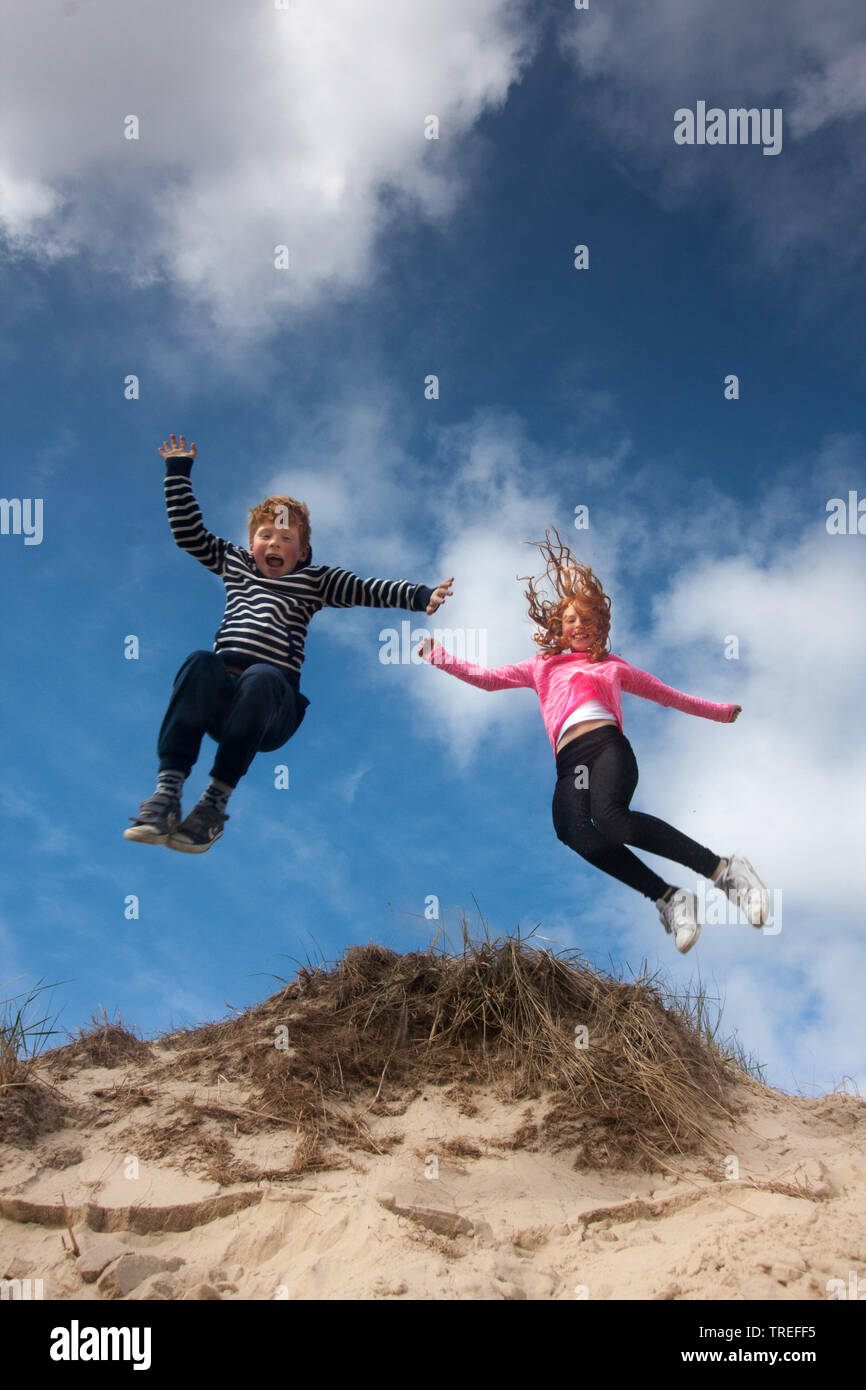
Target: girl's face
574,638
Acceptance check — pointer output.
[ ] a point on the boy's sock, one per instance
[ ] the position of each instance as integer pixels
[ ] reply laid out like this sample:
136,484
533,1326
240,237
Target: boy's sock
667,895
170,783
217,794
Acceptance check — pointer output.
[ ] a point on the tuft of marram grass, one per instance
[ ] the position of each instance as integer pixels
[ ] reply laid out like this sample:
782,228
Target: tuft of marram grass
27,1105
103,1044
652,1081
367,1034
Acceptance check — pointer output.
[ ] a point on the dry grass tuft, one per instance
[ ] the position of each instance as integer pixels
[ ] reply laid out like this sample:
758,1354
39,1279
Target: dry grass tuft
337,1048
103,1044
28,1107
651,1081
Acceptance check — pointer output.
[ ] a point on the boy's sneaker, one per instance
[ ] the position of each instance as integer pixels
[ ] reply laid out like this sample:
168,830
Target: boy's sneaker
745,890
157,818
202,827
679,916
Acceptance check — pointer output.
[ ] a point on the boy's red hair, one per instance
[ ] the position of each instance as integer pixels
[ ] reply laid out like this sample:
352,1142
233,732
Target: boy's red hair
575,584
295,514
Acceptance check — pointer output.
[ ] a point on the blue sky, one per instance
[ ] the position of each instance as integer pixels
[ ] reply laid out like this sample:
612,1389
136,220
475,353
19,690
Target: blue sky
557,387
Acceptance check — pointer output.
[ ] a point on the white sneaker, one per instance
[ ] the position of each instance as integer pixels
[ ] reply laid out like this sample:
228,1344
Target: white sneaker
679,916
745,890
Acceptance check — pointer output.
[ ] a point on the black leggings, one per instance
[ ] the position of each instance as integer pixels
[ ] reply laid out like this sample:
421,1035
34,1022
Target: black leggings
596,778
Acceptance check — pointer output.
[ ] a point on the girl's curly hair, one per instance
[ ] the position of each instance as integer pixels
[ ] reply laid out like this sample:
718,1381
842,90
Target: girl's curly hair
574,584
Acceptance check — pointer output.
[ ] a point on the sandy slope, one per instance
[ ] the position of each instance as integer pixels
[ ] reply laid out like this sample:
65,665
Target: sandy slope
510,1223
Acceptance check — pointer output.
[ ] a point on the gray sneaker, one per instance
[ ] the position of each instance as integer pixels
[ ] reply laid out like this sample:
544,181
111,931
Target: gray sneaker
746,891
202,827
157,818
679,917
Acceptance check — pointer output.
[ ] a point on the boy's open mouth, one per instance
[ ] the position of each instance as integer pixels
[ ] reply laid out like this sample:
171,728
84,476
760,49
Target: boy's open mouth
274,562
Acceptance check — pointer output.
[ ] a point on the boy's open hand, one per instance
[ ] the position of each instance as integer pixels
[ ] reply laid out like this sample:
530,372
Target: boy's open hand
171,450
738,709
440,593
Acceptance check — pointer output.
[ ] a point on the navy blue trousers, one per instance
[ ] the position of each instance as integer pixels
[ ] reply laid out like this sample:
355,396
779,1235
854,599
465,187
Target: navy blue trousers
596,822
255,712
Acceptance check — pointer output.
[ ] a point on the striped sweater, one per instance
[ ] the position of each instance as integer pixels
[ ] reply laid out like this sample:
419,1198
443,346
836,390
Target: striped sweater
267,619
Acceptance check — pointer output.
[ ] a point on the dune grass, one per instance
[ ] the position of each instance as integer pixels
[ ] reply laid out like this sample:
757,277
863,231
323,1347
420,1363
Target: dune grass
631,1072
628,1072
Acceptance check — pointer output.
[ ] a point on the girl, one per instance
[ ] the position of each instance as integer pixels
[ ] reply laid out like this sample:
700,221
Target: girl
578,682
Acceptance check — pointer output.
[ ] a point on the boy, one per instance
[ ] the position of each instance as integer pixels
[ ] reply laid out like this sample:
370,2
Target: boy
246,692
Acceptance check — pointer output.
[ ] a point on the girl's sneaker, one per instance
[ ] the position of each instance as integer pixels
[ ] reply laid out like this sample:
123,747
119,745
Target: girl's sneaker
679,916
202,827
156,819
745,890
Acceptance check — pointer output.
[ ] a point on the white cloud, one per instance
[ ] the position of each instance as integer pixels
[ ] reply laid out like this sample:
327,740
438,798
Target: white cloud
54,838
641,63
837,91
258,126
787,778
347,461
349,784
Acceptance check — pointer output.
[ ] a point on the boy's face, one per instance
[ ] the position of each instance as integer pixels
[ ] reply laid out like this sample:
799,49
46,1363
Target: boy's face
276,552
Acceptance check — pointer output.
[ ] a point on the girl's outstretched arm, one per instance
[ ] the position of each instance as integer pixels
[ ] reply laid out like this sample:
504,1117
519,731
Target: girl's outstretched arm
486,678
651,688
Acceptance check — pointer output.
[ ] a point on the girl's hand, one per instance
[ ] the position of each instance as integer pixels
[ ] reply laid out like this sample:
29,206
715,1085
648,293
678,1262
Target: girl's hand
426,647
738,709
439,594
171,450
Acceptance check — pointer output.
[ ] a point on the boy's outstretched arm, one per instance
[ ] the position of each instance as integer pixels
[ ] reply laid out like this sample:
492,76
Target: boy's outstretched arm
342,589
184,516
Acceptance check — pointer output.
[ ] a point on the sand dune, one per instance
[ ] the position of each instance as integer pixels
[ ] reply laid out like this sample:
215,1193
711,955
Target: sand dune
168,1170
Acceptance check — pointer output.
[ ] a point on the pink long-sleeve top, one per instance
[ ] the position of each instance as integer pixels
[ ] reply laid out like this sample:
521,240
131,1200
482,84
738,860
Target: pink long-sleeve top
565,680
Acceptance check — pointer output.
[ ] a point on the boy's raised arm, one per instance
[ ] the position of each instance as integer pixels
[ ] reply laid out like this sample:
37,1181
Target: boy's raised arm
184,516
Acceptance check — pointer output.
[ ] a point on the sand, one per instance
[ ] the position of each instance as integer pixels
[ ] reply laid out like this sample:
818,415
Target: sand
164,1194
